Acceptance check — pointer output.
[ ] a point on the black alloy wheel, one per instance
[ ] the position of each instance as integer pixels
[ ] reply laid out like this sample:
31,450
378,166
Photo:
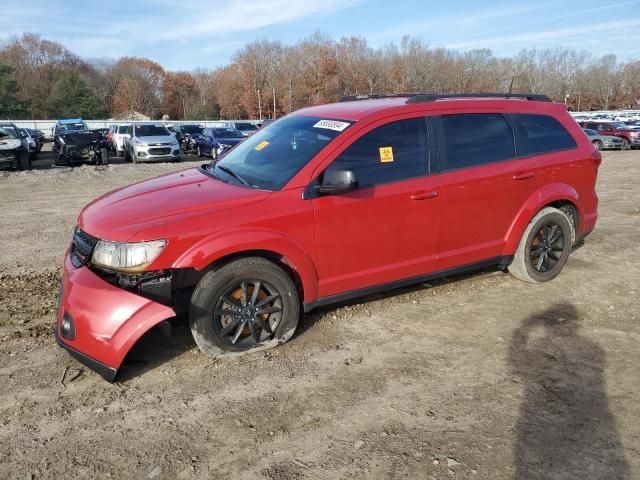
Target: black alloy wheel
547,247
247,314
245,305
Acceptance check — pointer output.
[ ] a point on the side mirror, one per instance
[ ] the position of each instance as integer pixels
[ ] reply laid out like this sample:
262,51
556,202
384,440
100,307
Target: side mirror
337,181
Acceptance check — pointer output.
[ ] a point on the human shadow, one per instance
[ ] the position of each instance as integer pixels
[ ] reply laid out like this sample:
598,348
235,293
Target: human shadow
565,429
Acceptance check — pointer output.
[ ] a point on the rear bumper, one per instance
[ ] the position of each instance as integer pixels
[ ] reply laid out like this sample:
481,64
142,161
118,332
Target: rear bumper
107,320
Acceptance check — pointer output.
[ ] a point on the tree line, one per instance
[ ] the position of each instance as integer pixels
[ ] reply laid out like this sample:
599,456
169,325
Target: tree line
43,79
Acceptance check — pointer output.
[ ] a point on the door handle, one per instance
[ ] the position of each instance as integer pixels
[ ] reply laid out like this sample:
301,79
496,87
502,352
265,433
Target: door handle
524,176
424,195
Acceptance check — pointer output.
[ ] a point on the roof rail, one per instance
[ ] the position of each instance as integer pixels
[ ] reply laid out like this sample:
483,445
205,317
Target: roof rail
351,98
432,97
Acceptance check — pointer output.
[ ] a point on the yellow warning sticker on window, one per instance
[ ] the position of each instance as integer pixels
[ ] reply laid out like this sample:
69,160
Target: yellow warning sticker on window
386,154
261,145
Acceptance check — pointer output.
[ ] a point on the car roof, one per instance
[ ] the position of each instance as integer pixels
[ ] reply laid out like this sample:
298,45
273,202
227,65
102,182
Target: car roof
358,109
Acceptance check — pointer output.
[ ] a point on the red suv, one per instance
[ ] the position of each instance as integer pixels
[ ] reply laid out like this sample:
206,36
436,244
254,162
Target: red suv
629,136
328,203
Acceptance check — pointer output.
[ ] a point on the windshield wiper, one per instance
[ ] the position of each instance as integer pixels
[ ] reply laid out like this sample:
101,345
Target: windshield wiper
233,174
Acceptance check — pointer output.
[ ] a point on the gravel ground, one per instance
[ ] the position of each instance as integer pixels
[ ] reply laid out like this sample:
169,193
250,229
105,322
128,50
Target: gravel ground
478,376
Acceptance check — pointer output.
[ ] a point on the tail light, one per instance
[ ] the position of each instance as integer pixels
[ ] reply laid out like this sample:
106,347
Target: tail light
596,159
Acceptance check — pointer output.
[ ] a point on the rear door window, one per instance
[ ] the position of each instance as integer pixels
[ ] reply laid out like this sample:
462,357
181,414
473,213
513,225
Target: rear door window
392,152
475,139
540,134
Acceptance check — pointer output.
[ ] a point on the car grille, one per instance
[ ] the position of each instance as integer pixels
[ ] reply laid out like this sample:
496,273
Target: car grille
159,151
82,247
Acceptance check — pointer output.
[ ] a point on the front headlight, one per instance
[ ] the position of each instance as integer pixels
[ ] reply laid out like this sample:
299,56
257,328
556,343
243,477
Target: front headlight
126,257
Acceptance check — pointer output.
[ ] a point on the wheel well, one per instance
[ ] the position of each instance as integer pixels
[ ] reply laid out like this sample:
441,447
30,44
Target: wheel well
570,210
274,257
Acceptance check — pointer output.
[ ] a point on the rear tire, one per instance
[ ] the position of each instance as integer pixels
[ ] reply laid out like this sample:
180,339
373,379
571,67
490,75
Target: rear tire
23,161
544,247
228,316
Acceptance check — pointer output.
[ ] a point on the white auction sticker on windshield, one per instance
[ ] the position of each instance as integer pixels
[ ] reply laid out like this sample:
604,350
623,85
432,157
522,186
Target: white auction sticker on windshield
332,125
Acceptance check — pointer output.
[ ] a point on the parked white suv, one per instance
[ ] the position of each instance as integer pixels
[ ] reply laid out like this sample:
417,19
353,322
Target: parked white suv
150,142
119,136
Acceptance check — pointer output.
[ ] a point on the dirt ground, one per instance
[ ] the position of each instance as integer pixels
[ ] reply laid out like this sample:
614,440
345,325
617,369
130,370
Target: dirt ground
480,376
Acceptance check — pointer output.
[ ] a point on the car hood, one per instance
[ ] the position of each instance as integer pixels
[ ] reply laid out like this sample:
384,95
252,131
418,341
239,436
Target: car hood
120,214
157,139
9,143
79,138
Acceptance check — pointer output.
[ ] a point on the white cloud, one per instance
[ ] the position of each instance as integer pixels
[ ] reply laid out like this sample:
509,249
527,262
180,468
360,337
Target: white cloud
463,20
560,34
122,32
548,19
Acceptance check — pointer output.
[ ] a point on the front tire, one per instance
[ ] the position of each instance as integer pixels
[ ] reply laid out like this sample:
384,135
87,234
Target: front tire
625,144
247,305
544,247
598,144
104,156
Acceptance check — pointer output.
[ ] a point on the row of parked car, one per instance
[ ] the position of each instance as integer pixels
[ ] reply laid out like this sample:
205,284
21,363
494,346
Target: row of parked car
75,143
153,141
612,135
19,147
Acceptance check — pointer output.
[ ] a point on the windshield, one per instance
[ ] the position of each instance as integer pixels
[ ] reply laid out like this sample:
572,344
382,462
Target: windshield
227,133
272,156
618,125
192,129
151,131
247,127
8,132
591,133
122,128
70,127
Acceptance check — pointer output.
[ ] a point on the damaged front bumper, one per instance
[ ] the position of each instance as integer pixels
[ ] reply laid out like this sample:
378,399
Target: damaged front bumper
98,323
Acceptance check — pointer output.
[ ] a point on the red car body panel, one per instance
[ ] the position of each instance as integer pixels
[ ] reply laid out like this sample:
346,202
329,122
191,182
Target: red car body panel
332,244
108,320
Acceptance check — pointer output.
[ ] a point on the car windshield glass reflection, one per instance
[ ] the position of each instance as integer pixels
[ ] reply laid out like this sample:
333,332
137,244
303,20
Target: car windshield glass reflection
227,133
273,155
151,131
8,132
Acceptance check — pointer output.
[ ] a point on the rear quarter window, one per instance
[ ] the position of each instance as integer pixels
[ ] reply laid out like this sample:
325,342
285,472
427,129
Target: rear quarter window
476,139
540,134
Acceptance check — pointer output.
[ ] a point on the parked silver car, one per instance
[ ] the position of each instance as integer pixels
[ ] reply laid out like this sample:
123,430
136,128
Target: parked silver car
150,142
604,142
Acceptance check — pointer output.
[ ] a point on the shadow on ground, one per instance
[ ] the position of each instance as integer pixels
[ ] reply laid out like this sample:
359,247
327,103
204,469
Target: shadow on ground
157,347
565,429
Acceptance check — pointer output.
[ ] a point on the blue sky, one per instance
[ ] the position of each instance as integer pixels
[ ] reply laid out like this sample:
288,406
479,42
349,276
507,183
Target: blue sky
191,34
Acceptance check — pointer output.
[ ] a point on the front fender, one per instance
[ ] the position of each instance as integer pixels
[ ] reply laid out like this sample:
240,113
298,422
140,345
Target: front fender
546,195
223,244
